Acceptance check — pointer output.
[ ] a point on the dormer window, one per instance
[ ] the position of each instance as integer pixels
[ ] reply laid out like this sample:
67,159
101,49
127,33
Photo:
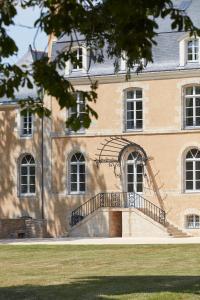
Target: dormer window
81,60
189,48
193,50
78,65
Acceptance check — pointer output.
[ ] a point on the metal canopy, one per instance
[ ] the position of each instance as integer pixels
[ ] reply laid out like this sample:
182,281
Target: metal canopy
112,148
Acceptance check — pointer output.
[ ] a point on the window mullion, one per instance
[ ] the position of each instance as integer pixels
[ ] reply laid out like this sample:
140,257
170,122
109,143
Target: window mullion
194,175
134,112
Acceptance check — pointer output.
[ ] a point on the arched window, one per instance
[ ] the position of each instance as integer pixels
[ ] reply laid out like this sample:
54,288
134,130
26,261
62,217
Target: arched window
27,175
77,173
192,107
134,170
133,109
192,168
192,221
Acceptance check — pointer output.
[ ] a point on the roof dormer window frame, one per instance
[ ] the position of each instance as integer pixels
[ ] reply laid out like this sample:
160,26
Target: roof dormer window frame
183,50
82,52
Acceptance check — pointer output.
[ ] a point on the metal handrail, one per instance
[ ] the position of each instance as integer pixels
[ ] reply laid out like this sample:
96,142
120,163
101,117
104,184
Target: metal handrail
118,199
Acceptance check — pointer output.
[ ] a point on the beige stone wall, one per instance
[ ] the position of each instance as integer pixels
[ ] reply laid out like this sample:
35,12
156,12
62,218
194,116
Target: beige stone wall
163,139
12,146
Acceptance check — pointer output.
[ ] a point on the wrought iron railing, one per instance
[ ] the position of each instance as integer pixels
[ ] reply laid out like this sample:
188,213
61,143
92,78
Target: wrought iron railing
118,199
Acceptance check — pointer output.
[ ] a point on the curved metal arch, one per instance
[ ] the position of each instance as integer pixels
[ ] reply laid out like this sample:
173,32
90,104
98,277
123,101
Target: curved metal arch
112,149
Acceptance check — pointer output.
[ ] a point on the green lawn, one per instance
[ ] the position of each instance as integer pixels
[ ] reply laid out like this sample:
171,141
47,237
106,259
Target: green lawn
100,272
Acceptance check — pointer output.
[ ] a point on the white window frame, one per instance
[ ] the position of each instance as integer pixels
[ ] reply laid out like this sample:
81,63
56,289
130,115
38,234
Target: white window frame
135,163
78,182
194,180
79,57
79,103
28,175
69,69
193,53
194,107
193,221
134,100
23,127
183,50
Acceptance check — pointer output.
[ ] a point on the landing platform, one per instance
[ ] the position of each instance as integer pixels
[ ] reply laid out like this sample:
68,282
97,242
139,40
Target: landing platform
102,241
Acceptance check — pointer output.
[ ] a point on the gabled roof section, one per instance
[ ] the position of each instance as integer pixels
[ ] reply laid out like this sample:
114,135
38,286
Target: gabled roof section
27,59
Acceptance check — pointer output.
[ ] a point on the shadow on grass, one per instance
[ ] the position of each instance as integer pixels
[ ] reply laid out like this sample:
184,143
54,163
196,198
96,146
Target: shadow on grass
104,286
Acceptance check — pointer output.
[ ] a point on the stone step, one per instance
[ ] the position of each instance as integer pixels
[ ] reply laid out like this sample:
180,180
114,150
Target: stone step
175,231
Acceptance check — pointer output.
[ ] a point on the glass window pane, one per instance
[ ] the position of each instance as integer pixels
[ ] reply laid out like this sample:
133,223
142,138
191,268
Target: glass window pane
139,178
23,170
32,179
130,115
189,122
73,168
139,124
189,165
130,105
198,175
32,170
139,105
198,185
197,90
130,188
130,125
138,93
197,164
82,177
198,111
73,177
189,90
189,112
130,177
23,179
189,102
130,95
32,189
198,121
130,168
74,187
139,115
189,185
82,168
139,169
24,189
189,175
82,187
139,188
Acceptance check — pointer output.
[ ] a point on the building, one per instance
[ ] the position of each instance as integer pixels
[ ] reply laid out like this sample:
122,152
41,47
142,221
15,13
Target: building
136,170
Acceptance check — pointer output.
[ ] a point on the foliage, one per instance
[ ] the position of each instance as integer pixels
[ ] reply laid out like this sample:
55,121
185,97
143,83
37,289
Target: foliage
116,26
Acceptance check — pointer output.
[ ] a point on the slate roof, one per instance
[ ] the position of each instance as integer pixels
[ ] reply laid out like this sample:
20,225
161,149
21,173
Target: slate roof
165,54
29,57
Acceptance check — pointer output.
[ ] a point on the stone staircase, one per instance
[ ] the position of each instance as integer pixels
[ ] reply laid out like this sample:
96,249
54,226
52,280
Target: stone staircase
175,232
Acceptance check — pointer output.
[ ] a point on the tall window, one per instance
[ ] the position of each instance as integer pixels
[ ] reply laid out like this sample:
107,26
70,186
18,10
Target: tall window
79,109
193,50
27,175
78,54
77,173
192,221
27,124
134,110
192,167
134,167
192,106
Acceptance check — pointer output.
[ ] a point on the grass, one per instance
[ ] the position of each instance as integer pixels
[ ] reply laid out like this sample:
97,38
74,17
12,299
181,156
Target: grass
100,272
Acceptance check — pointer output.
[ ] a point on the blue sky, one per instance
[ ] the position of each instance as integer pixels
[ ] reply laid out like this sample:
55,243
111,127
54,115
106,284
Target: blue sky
25,36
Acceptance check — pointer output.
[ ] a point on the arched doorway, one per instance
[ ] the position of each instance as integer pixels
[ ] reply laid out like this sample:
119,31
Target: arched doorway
134,173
